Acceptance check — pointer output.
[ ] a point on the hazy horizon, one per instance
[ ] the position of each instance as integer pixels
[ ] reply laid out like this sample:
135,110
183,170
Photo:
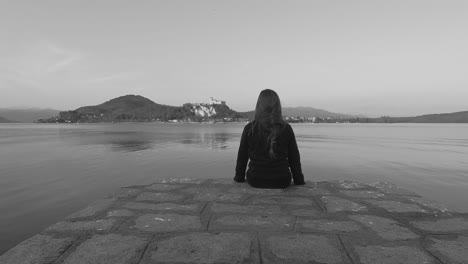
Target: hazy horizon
372,58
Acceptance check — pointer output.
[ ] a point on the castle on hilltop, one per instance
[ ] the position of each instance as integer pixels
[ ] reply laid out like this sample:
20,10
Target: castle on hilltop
215,101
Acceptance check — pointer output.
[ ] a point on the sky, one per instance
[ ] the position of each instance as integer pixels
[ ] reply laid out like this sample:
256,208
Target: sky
398,58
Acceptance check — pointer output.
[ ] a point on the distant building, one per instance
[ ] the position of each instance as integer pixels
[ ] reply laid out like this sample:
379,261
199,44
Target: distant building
215,101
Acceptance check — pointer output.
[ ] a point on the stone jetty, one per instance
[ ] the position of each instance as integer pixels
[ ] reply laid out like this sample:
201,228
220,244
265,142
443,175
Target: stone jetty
220,221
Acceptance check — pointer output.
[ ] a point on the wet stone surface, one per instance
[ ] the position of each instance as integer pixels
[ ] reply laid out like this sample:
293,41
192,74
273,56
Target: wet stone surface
167,222
335,204
363,194
95,225
159,197
217,221
386,228
443,225
163,187
390,188
398,207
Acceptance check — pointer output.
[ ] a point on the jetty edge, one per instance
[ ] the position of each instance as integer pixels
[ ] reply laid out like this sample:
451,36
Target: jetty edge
220,221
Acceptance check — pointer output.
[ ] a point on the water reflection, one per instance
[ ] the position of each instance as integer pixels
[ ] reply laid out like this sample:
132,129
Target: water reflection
218,141
140,141
130,145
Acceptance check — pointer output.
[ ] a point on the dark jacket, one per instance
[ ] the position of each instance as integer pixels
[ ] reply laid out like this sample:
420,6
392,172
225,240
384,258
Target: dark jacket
264,171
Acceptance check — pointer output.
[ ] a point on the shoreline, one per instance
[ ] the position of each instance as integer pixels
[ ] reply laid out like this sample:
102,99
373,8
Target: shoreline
327,222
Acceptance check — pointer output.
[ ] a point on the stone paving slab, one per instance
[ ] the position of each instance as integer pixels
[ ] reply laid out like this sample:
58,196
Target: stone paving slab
163,207
120,213
398,207
95,225
207,248
386,228
108,249
306,212
325,225
451,250
252,222
391,188
336,204
167,223
443,225
430,204
302,248
160,197
220,221
39,249
163,187
363,194
245,209
308,191
393,255
272,200
252,191
219,197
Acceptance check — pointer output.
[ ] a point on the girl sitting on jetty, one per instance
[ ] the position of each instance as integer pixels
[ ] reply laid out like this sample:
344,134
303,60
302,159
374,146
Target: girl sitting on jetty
270,144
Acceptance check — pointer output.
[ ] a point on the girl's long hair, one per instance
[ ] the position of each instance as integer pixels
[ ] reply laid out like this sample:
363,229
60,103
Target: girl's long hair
268,119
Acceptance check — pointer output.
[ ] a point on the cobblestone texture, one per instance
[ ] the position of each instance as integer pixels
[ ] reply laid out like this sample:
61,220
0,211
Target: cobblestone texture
220,221
108,249
39,249
386,228
443,225
336,204
205,248
398,207
327,226
454,250
299,248
393,255
167,222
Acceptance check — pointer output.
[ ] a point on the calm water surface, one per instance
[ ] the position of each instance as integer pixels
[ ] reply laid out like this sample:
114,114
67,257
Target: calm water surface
50,171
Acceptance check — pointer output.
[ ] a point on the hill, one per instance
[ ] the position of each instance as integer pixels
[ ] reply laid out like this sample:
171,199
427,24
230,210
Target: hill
4,120
138,108
28,115
313,112
457,117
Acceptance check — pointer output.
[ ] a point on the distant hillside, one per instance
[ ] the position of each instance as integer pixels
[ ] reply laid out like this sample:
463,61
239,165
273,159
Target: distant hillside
313,112
138,108
29,115
457,117
4,120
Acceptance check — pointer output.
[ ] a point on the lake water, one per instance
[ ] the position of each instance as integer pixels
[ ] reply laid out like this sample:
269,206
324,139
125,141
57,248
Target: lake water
49,171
